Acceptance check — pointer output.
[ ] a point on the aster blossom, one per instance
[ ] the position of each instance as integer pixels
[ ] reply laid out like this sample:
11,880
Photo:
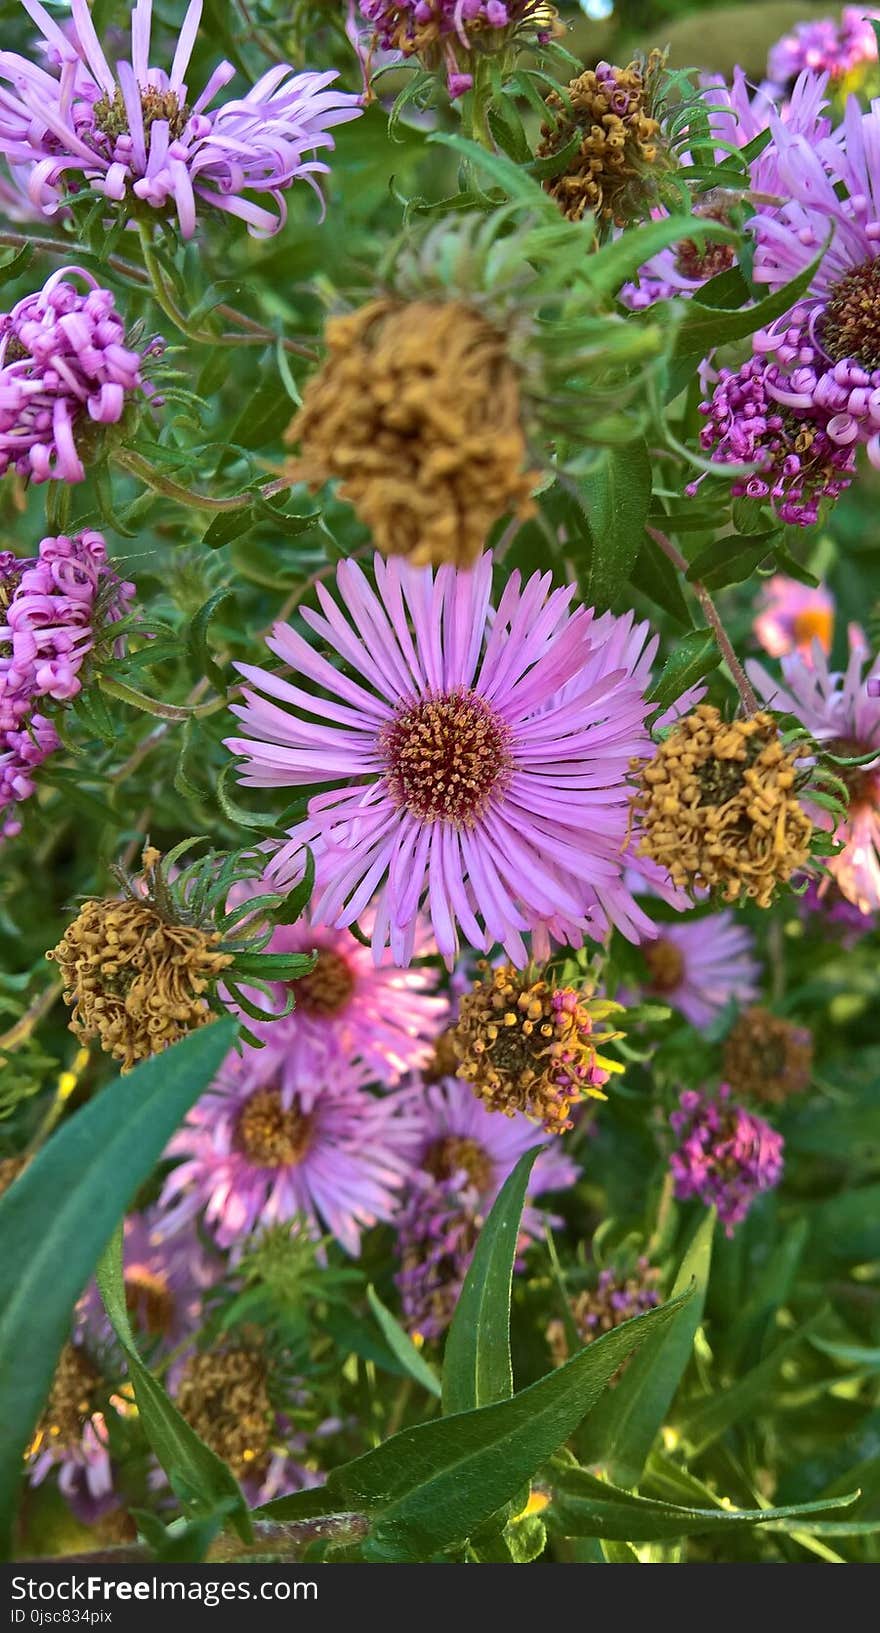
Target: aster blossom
461,1155
348,1008
792,616
840,713
699,965
824,45
22,752
464,788
449,33
255,1152
726,1156
64,367
134,136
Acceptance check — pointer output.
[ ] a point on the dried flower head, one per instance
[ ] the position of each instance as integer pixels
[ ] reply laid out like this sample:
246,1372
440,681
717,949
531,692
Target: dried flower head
615,1298
453,34
767,1058
525,1046
74,1394
134,980
224,1395
621,148
717,806
417,412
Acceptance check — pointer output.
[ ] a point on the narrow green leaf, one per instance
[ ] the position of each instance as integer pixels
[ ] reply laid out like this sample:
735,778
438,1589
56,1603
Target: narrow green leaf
201,1479
732,559
476,1362
702,1423
615,496
403,1346
58,1216
692,658
198,638
622,1436
433,1486
610,266
583,1506
705,327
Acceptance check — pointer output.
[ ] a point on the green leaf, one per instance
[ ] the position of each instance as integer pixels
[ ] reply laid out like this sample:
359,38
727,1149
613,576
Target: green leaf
705,327
476,1363
732,559
703,1422
622,1437
201,1479
433,1486
57,1217
692,658
198,638
610,266
615,496
583,1506
403,1346
508,176
17,264
654,575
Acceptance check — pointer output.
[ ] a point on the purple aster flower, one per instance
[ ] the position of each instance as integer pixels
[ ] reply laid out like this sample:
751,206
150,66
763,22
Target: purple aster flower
700,964
52,608
461,1156
726,1156
257,1150
72,1437
484,757
348,1008
63,366
824,901
22,752
165,1283
792,616
823,45
839,711
135,135
736,115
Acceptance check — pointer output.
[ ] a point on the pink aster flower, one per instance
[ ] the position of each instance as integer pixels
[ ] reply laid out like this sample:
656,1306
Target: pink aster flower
725,1155
699,965
839,711
165,1283
348,1008
736,114
22,752
135,135
259,1151
63,366
824,46
462,1154
464,790
792,616
825,908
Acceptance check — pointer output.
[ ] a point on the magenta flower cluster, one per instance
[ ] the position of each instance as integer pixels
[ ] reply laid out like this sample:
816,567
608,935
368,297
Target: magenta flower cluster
63,365
824,46
50,606
134,133
726,1156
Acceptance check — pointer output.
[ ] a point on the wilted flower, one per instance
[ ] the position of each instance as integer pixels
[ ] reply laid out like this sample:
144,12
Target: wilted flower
792,616
717,806
526,1046
484,756
611,173
766,1057
616,1298
72,1437
725,1156
699,964
417,412
64,369
256,1152
461,1156
839,711
136,137
453,34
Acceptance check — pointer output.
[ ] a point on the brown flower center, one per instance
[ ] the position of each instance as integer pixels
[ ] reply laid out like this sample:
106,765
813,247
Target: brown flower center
704,258
224,1396
454,1155
767,1058
72,1397
111,116
270,1134
665,963
851,324
327,988
446,757
149,1301
444,1060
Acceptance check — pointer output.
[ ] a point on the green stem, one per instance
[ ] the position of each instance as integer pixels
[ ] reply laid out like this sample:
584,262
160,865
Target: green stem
136,465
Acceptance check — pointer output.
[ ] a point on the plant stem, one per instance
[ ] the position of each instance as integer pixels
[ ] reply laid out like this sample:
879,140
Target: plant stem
254,333
30,1020
136,465
713,619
